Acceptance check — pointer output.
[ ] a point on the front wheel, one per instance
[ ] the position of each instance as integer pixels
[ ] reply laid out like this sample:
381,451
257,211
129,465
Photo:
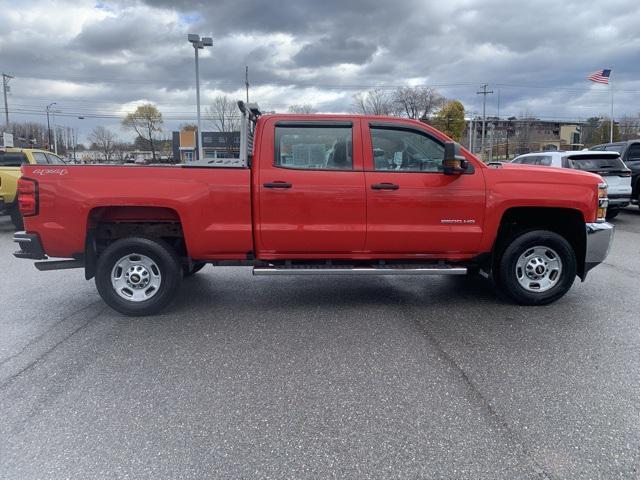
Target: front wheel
138,276
537,268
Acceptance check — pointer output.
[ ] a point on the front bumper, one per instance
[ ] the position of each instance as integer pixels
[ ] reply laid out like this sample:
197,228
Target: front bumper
599,240
30,246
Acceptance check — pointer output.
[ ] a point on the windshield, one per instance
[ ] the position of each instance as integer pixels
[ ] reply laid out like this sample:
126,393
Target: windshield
591,163
12,159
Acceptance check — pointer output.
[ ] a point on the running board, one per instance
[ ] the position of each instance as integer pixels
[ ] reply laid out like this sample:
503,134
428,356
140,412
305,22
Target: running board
58,265
355,270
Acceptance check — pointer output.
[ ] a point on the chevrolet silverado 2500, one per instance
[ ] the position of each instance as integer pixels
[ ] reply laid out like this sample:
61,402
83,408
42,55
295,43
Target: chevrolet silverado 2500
317,194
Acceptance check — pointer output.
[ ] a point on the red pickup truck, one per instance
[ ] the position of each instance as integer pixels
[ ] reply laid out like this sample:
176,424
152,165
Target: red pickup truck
317,194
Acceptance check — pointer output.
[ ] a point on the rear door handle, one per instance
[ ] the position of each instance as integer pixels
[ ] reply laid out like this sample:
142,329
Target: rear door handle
277,185
385,186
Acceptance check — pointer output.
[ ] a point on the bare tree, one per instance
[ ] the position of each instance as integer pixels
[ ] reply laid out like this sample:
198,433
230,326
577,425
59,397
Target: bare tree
374,102
224,116
146,121
523,132
301,108
629,127
417,102
105,141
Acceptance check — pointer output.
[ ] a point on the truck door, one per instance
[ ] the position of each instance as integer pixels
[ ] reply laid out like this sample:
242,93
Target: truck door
412,206
311,188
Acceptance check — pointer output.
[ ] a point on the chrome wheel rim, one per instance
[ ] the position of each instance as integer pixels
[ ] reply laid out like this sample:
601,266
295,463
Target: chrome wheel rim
136,277
538,269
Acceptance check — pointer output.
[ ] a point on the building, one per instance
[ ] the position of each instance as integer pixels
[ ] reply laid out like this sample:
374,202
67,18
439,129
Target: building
214,145
514,136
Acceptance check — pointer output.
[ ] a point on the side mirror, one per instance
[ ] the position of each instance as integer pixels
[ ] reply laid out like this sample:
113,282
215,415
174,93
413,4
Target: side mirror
454,163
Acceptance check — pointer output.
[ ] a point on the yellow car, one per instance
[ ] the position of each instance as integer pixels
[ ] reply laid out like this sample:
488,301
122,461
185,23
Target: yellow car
11,159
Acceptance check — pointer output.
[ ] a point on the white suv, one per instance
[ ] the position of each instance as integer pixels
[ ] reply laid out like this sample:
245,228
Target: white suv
608,165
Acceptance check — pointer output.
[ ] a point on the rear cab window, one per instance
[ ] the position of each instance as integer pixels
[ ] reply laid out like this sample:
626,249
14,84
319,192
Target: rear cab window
40,158
12,159
314,147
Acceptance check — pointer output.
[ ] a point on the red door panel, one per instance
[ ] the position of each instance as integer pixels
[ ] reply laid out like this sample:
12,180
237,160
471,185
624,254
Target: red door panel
320,209
418,212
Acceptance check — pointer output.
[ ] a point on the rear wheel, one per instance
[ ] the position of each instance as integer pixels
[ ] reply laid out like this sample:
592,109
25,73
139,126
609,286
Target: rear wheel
537,268
138,276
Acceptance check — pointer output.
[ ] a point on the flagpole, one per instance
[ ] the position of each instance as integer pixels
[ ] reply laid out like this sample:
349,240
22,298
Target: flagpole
611,122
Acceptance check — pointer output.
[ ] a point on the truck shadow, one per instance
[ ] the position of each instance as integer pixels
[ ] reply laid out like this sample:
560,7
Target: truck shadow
243,292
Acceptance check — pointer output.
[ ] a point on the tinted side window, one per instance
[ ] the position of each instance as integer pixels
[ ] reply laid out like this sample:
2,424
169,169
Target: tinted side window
40,158
314,148
54,159
12,159
531,160
546,160
633,155
405,150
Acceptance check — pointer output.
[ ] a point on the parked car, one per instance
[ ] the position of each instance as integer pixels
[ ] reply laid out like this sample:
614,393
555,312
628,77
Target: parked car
630,153
11,159
308,196
606,164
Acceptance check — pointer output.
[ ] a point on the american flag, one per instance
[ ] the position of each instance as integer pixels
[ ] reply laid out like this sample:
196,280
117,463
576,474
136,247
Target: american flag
601,76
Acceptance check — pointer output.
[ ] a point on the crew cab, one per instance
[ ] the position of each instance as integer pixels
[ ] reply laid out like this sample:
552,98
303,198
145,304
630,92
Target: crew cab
314,195
11,159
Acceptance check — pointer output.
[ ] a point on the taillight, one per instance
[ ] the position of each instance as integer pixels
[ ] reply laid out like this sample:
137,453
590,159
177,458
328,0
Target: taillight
625,174
27,197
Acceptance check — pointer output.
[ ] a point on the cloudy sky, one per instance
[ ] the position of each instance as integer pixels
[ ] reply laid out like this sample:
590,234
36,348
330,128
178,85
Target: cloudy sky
101,59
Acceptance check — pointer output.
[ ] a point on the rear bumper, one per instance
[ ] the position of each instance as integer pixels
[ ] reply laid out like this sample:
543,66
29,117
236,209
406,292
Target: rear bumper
599,240
30,246
619,200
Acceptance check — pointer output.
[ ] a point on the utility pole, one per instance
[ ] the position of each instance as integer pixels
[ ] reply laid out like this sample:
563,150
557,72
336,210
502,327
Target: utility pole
6,89
49,125
246,81
484,92
55,134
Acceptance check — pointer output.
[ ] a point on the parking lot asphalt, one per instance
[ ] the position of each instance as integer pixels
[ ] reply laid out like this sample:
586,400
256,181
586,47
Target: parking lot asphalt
325,377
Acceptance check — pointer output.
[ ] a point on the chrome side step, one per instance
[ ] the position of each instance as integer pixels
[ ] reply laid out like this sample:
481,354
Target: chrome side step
360,270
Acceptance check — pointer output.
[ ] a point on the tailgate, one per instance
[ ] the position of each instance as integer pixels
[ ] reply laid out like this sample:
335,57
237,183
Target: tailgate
8,182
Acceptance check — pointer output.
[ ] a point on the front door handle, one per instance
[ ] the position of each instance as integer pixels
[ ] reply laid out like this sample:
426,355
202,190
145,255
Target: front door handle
277,185
385,186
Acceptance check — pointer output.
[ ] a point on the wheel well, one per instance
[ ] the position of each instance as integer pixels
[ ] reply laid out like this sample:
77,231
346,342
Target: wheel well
568,223
108,224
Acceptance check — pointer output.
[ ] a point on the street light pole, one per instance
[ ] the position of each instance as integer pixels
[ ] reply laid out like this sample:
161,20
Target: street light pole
199,44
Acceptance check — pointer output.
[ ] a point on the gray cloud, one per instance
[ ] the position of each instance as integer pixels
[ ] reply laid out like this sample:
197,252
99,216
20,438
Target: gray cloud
332,51
94,57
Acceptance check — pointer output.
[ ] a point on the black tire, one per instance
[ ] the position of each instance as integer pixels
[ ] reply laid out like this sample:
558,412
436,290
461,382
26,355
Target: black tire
164,258
16,218
612,213
507,278
195,268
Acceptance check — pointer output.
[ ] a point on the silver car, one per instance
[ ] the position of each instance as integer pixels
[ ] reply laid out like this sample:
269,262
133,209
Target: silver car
608,165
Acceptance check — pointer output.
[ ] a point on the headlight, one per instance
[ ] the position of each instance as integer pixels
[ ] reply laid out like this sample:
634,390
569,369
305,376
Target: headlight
603,203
